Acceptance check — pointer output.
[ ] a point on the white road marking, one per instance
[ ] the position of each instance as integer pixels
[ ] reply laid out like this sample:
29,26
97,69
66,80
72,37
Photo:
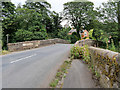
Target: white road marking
22,58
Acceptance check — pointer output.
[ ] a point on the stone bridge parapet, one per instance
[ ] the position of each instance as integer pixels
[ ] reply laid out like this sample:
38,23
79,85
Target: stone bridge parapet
105,63
33,44
89,42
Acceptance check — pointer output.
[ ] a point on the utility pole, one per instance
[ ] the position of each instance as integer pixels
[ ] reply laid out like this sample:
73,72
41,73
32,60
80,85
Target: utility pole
7,37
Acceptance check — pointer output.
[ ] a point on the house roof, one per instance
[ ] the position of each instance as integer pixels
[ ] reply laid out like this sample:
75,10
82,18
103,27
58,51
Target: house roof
72,30
83,31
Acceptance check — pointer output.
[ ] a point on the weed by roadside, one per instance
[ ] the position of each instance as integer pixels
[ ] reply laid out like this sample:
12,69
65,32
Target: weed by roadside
82,53
4,52
54,83
60,75
76,52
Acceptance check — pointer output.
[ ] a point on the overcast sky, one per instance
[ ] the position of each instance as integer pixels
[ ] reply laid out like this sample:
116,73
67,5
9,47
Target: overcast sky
57,5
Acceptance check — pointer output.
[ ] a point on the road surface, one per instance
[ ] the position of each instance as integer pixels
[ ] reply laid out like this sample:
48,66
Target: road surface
79,76
33,68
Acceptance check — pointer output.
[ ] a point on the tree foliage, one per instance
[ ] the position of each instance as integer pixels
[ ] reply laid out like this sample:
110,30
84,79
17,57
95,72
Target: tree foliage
63,33
35,21
80,13
32,21
8,21
108,17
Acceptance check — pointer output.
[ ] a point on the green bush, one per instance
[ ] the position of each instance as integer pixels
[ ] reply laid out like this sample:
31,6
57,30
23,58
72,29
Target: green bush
27,35
23,35
118,48
60,73
4,52
41,35
86,56
112,48
91,34
76,52
54,83
74,37
63,33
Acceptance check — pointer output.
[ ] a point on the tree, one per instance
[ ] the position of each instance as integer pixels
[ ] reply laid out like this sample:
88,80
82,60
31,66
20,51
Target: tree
108,12
80,13
91,34
30,25
63,33
8,21
55,25
108,15
41,8
26,18
50,19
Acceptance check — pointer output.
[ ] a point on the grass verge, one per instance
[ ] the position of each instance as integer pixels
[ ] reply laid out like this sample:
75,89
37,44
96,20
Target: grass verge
60,75
4,52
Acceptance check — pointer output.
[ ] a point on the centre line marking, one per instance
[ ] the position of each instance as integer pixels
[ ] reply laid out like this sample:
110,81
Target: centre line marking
22,58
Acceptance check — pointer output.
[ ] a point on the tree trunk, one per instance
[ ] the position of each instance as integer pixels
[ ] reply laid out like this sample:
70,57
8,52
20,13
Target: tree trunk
78,28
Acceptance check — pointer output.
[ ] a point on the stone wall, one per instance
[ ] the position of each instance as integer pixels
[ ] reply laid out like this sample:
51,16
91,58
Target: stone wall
107,64
89,42
33,44
104,62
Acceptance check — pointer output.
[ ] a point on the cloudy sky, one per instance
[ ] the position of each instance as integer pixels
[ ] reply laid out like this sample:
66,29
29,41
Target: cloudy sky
57,5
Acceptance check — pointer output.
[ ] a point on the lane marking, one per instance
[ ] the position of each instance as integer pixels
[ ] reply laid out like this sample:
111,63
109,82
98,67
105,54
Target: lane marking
23,58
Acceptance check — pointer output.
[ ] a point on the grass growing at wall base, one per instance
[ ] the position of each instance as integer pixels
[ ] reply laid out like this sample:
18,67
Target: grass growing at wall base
83,54
80,53
54,83
60,74
76,52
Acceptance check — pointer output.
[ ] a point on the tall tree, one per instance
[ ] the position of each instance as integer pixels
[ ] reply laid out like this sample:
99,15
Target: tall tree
79,12
108,11
42,7
108,15
8,18
56,20
30,25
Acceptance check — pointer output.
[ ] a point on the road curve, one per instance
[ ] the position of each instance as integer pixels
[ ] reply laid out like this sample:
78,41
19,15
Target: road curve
33,68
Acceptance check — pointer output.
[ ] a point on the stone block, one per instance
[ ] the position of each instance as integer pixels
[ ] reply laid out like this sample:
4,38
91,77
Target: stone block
105,81
115,85
107,68
118,78
112,70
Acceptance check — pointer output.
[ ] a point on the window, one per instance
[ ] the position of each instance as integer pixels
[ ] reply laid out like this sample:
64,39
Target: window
85,33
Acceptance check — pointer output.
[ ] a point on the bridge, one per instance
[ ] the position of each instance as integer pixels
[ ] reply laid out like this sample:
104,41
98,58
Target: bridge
104,62
37,65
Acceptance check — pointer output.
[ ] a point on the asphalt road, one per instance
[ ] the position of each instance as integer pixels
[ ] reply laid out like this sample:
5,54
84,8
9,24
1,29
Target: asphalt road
33,68
79,76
